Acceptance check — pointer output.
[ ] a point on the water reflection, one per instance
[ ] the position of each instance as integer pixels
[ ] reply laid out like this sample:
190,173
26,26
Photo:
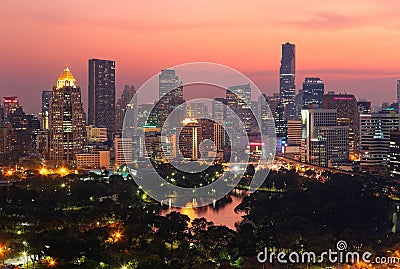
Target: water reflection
221,213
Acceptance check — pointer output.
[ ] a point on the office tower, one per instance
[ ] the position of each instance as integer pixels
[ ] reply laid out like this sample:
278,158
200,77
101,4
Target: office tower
347,115
238,99
67,124
10,104
123,150
93,160
196,110
96,134
324,143
124,104
364,106
101,94
398,91
170,98
287,74
265,115
313,90
42,143
46,98
294,133
2,119
189,139
144,112
375,140
394,154
4,140
298,104
219,109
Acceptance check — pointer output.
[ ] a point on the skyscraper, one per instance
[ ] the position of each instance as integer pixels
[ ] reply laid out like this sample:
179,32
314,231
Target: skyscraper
170,97
313,90
67,125
324,143
347,115
398,91
238,99
10,104
219,109
124,104
287,74
46,99
375,140
101,94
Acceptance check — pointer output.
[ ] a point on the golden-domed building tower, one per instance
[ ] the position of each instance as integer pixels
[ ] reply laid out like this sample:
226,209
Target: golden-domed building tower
67,122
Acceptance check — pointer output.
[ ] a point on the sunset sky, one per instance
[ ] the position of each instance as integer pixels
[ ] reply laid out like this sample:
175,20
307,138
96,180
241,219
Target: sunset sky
354,46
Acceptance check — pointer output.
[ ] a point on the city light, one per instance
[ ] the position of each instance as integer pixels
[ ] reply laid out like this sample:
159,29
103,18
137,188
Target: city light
62,171
44,171
9,173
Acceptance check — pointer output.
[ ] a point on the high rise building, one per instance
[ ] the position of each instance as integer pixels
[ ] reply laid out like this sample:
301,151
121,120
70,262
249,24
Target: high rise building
170,98
375,140
219,109
124,104
287,74
324,143
10,104
101,94
313,90
123,150
196,110
189,138
67,124
364,106
238,99
96,134
398,91
347,115
394,154
46,99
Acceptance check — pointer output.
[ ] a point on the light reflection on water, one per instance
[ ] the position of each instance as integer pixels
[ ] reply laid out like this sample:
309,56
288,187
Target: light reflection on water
222,214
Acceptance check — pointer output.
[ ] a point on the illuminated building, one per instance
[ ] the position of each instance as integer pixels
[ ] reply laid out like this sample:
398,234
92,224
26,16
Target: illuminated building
101,94
10,104
287,78
96,134
238,99
347,115
398,91
123,150
170,98
197,110
375,140
364,106
46,98
394,154
324,143
93,160
219,109
313,90
189,138
124,104
4,140
67,128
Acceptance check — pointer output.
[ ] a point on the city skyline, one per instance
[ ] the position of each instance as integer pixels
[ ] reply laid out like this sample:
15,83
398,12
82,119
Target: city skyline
355,35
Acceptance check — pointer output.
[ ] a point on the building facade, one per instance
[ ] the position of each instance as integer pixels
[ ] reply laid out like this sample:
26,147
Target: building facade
287,78
375,129
67,124
313,90
101,94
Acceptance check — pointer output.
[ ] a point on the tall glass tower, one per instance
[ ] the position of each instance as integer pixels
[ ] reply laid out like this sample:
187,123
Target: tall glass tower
287,77
101,94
